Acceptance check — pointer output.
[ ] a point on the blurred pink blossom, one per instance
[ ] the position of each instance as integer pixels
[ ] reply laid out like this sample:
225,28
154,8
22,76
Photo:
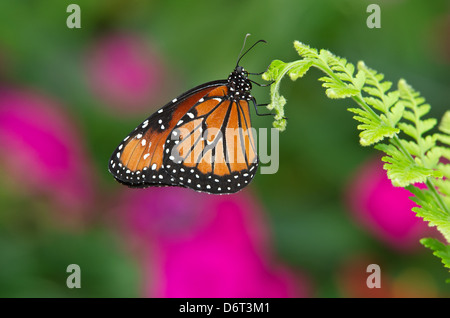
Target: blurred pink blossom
125,72
383,209
206,246
41,150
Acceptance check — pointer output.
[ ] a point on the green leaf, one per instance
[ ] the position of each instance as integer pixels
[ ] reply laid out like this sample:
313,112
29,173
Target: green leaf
277,104
342,69
299,69
444,126
373,129
359,80
426,125
280,124
443,138
439,249
305,50
443,186
430,210
423,110
428,143
376,103
396,114
274,71
444,168
401,171
339,90
372,91
409,129
409,115
432,157
411,147
384,114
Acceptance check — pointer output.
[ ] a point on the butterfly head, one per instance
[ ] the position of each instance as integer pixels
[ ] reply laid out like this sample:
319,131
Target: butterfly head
239,85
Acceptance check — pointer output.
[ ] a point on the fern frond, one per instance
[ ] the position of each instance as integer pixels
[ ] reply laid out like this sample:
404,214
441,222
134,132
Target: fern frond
396,117
439,249
444,136
374,129
429,210
444,126
403,172
277,70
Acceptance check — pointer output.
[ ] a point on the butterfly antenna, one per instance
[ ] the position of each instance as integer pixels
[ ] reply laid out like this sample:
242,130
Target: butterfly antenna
242,49
241,55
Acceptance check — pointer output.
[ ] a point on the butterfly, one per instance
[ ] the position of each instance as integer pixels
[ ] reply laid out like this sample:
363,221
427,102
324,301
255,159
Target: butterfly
202,139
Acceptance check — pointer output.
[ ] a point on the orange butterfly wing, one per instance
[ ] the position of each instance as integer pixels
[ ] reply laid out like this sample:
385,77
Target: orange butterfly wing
211,148
138,160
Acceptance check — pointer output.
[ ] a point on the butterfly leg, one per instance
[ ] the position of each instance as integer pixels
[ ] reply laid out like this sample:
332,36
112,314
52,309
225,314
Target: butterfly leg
256,108
260,105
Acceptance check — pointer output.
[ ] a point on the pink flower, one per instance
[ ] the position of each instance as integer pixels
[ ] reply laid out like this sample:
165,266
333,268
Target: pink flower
383,209
42,153
125,73
206,246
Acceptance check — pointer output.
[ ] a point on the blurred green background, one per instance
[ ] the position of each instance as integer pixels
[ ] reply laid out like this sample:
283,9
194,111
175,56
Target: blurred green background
310,227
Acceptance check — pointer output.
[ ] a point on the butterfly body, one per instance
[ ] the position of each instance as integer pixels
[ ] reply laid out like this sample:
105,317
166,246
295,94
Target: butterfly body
201,140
